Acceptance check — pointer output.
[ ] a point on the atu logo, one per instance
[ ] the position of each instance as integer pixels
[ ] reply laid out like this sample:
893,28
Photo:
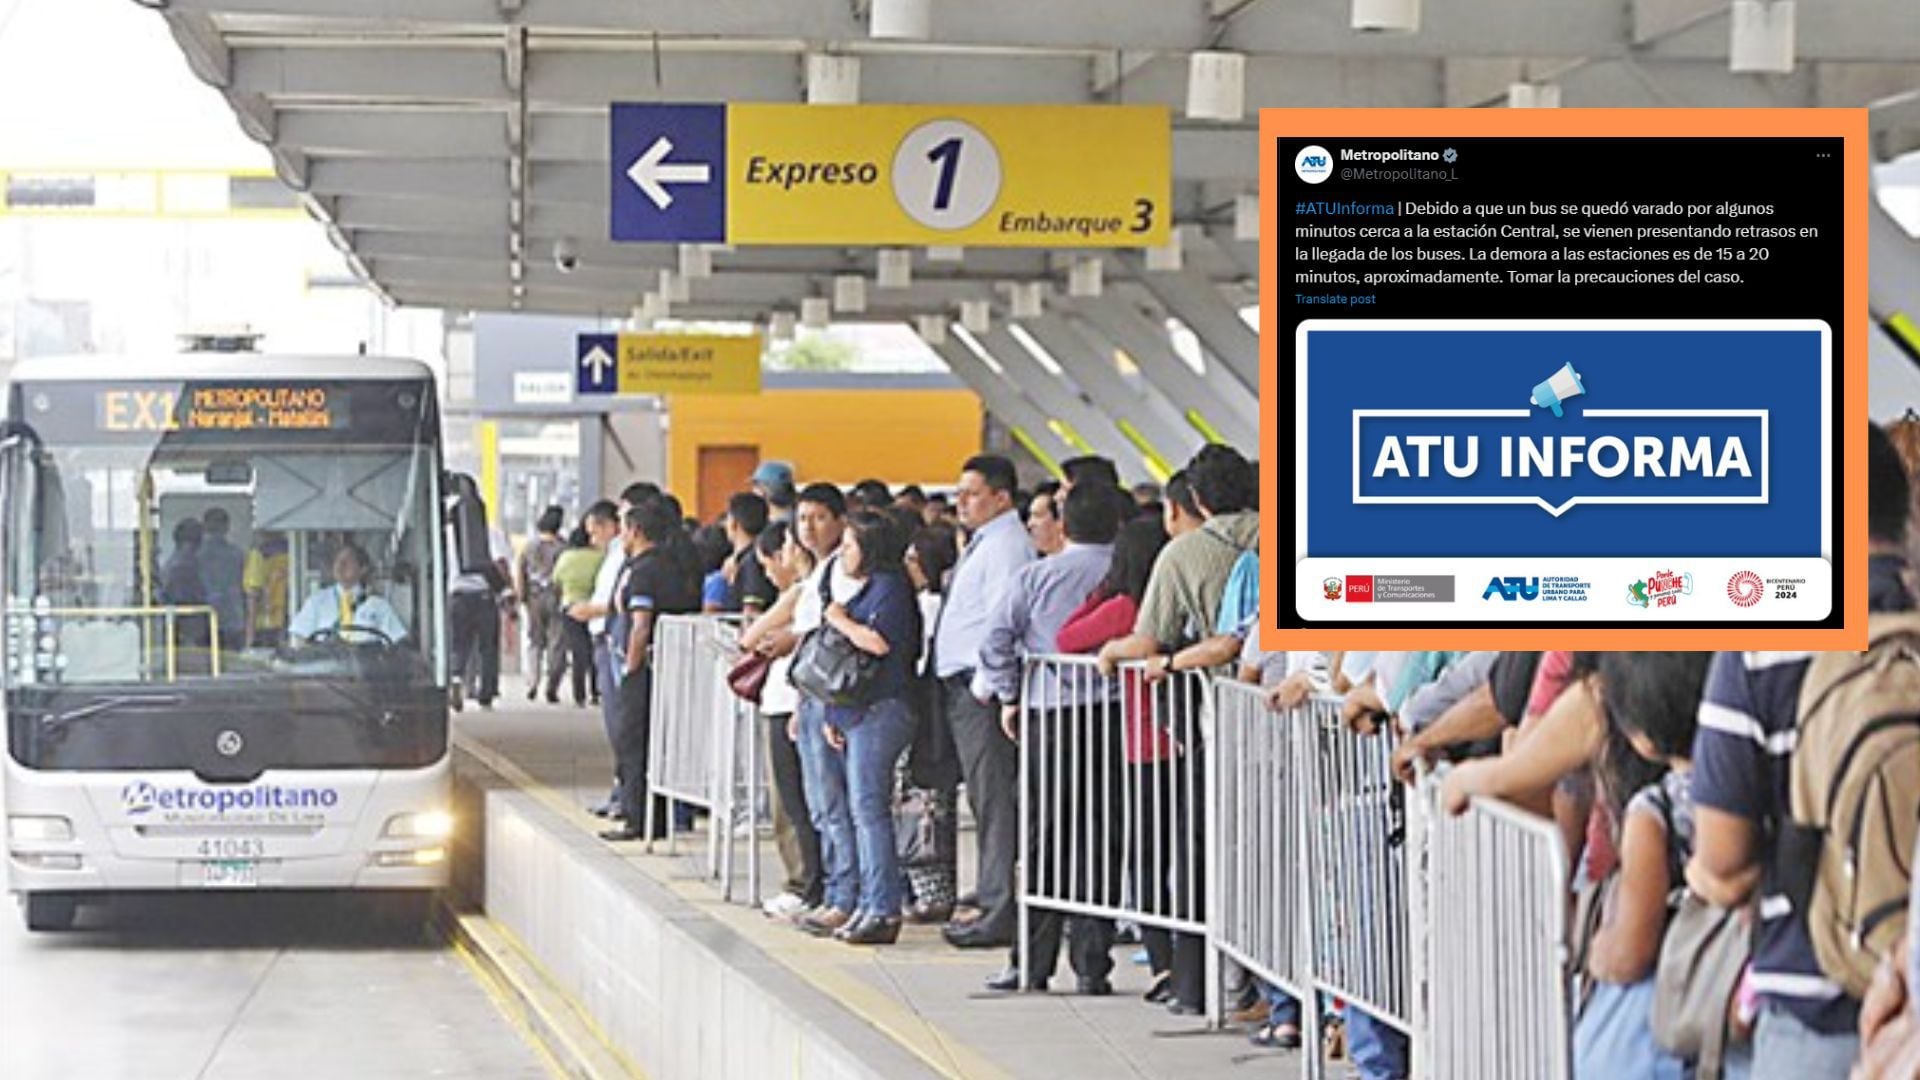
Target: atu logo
1313,164
1513,588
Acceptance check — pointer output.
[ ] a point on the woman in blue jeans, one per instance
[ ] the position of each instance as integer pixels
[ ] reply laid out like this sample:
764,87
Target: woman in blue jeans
882,619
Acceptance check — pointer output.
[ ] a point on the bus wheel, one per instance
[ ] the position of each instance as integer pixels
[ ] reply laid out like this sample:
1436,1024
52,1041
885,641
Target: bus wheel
49,911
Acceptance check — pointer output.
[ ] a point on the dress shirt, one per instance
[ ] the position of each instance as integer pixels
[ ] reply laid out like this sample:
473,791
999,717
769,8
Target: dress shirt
995,554
323,611
604,582
1027,620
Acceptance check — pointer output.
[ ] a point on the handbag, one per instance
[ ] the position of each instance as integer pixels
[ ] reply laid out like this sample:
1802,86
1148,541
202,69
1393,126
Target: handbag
828,667
1705,951
747,678
1703,955
917,833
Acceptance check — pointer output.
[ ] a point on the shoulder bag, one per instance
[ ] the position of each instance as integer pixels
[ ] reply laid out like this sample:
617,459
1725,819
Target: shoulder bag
827,666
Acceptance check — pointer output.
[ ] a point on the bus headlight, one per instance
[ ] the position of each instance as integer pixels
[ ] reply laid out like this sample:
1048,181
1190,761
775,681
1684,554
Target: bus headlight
45,860
427,825
431,856
46,829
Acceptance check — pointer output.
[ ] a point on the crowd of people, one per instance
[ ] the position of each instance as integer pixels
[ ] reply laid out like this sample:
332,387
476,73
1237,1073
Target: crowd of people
884,638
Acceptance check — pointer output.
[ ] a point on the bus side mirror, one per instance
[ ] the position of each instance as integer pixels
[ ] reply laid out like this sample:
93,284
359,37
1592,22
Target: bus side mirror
472,554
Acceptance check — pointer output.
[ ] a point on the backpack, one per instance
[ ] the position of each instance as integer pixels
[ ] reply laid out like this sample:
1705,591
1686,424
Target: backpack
1855,780
1240,600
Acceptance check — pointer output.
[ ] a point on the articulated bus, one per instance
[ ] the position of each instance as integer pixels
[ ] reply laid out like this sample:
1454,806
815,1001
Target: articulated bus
225,627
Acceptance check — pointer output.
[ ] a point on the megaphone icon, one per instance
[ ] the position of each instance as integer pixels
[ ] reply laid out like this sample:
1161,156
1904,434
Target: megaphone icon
1559,386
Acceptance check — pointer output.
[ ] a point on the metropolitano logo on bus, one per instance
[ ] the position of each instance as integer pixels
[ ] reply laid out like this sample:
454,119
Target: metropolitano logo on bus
254,803
1510,453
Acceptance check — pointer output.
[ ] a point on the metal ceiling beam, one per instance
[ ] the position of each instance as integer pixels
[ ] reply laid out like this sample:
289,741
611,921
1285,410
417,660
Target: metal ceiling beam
205,48
1864,29
1004,400
575,80
1223,403
1062,400
1193,300
452,134
1156,420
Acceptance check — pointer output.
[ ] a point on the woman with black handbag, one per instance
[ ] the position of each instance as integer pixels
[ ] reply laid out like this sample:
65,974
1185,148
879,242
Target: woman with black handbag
859,664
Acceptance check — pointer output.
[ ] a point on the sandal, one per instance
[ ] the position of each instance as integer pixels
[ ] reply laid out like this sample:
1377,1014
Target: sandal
1276,1036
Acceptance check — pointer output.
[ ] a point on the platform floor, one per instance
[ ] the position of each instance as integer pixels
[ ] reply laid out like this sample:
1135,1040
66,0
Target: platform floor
921,991
244,986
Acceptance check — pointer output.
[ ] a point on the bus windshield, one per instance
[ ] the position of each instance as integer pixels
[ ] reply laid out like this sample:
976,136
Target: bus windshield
195,546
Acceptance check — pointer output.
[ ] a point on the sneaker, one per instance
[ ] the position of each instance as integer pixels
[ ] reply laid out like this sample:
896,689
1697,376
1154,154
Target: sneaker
785,906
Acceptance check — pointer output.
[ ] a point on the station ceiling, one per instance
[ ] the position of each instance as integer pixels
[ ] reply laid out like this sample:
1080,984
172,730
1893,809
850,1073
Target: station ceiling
448,145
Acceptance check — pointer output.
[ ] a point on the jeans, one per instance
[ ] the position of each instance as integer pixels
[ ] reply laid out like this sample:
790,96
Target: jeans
1379,1050
874,744
1282,1007
1785,1048
572,639
825,774
609,707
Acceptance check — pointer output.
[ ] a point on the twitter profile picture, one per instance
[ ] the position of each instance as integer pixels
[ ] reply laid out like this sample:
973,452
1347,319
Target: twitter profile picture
1313,164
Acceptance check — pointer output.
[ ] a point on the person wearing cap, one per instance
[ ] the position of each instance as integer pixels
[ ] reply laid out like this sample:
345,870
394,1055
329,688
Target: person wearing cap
773,481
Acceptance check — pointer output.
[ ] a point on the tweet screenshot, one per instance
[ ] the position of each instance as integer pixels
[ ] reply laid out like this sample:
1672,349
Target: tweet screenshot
1584,373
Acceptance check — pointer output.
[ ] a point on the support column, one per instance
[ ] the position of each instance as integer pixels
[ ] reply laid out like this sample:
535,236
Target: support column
1218,406
1146,419
1194,300
1028,425
1062,401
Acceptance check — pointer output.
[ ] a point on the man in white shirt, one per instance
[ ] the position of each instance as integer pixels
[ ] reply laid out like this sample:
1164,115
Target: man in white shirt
366,618
603,528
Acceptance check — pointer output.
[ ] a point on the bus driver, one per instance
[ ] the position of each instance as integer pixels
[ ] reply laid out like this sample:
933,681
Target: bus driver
348,603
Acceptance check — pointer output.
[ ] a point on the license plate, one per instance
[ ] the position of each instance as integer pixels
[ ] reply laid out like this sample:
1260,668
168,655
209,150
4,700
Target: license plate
231,874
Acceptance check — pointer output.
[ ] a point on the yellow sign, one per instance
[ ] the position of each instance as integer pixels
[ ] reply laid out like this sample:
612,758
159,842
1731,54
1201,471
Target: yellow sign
968,175
689,364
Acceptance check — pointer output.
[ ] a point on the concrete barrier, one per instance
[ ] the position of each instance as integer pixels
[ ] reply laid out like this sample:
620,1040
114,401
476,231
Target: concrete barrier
669,989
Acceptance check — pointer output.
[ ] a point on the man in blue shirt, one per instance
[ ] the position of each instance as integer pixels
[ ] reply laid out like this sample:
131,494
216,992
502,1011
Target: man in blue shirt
996,550
1742,764
1026,622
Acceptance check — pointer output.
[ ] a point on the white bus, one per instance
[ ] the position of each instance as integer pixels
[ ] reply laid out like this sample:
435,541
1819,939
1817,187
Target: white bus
224,627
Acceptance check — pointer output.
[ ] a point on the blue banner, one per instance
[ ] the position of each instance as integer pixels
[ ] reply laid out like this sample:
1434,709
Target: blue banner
1436,439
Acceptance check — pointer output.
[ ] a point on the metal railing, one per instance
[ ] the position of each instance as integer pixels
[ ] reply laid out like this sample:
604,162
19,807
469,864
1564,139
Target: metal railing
1357,860
1113,797
1261,919
702,745
1497,996
1195,807
30,622
1191,806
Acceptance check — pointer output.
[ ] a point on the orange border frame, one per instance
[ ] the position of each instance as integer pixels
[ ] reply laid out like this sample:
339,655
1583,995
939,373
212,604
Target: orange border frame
1848,124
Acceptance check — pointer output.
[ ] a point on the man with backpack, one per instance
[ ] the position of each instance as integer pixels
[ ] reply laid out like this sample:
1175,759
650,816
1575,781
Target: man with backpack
1775,729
